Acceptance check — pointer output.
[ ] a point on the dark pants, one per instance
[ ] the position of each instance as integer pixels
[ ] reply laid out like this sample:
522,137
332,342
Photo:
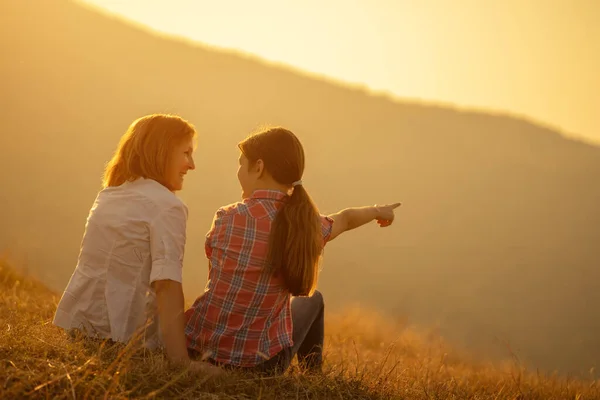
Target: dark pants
308,317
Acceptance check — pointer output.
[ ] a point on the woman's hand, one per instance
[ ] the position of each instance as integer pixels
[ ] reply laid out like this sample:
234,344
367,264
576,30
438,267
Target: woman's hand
385,214
205,368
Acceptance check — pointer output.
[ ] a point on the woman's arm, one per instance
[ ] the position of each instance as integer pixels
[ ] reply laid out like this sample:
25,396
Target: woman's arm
170,304
351,218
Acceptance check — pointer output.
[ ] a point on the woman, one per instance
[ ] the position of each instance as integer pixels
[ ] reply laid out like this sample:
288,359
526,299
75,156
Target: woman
127,283
262,251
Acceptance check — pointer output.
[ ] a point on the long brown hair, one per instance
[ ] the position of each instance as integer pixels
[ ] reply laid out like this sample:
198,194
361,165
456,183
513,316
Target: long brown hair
145,149
295,241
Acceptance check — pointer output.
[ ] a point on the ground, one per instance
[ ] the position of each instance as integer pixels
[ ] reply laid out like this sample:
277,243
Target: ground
367,357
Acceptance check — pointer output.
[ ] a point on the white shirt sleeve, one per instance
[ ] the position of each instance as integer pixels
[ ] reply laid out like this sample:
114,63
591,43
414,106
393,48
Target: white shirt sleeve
167,243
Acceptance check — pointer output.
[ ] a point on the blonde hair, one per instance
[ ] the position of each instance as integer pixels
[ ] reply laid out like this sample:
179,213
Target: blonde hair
145,149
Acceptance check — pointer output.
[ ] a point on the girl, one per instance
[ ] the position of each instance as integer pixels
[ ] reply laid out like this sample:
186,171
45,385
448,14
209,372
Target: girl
127,282
262,251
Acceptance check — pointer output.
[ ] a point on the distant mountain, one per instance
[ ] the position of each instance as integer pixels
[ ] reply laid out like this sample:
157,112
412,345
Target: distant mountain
497,238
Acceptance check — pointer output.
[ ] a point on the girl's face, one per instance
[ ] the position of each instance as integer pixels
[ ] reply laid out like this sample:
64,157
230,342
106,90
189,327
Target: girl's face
248,175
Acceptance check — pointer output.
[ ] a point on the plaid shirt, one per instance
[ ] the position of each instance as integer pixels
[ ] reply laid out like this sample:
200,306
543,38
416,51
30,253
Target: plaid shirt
244,316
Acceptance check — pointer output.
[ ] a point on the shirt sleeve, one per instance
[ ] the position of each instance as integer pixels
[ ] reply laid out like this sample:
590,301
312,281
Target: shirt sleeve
214,233
167,243
326,228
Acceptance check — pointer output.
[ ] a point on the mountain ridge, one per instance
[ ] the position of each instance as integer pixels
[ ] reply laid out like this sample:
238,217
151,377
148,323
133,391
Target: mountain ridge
363,88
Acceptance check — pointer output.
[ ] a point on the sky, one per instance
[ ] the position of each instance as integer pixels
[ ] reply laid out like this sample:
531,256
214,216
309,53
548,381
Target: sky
537,59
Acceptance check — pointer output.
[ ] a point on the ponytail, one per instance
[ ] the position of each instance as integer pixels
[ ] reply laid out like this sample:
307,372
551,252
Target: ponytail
295,243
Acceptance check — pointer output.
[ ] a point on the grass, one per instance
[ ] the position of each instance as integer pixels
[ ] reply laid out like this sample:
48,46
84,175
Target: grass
367,357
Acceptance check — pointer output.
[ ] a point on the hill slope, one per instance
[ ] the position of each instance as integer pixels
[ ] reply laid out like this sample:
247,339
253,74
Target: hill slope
497,237
373,359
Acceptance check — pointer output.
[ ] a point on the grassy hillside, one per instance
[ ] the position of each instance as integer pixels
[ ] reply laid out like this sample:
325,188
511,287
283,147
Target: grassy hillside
367,357
497,238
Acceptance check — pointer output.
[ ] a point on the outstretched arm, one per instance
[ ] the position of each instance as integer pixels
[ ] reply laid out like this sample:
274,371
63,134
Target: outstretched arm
351,218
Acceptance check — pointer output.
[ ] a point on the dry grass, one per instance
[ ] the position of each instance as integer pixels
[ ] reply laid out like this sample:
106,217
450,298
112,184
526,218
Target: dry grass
367,357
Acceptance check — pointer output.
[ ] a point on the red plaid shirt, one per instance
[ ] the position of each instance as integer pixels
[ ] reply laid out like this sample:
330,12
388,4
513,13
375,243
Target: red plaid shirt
244,315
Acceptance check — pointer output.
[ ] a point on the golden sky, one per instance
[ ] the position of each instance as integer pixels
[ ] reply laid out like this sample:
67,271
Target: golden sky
534,58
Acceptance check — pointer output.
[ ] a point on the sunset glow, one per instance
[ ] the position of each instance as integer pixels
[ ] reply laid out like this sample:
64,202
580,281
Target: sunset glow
535,59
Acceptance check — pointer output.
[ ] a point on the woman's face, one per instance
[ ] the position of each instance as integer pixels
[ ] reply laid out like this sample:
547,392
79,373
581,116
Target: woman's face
181,162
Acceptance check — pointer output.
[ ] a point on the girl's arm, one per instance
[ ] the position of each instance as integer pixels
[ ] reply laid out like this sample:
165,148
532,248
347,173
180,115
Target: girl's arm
351,218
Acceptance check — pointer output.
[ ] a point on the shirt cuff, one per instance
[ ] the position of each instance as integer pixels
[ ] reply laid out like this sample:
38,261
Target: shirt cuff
166,270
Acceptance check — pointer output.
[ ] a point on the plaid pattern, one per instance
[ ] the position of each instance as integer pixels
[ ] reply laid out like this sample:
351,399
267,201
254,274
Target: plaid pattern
244,316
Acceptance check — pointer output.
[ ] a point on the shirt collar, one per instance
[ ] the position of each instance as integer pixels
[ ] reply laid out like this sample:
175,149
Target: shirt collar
268,194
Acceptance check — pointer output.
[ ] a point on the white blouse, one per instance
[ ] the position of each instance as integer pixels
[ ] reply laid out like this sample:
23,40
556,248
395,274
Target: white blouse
135,234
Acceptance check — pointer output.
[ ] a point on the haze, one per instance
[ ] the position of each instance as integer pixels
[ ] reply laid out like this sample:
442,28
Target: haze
532,58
